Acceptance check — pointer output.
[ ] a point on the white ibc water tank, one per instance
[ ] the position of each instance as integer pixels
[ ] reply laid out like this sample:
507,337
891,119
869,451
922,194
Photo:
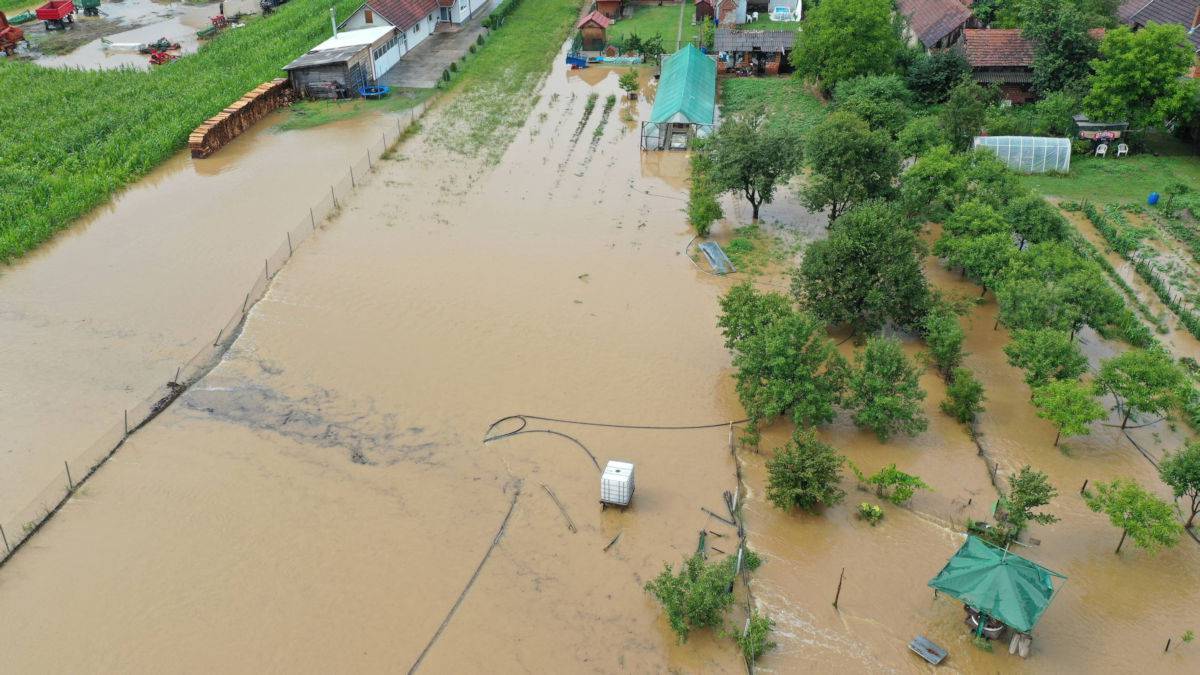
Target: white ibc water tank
616,484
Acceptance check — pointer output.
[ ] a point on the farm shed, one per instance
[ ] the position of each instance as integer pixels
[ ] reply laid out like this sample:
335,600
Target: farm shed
686,103
340,65
754,52
609,8
1030,154
705,10
592,31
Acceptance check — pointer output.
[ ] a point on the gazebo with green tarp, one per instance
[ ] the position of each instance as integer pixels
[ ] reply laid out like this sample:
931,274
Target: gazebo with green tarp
685,104
999,584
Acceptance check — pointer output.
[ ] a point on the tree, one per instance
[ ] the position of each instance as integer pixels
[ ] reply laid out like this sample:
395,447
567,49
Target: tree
931,76
1143,381
1149,520
703,208
850,164
845,38
1068,405
964,396
707,33
1034,220
1181,471
1139,77
753,641
944,336
695,598
1063,48
867,273
934,184
805,474
1028,490
1027,303
1045,354
880,100
628,81
785,362
976,239
964,112
751,157
921,135
891,484
884,391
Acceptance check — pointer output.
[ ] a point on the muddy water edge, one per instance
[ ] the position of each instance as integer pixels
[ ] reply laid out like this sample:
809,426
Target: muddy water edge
322,498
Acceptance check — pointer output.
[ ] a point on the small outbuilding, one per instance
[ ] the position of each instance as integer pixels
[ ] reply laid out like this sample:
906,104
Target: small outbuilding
341,65
609,8
705,9
754,52
685,105
1030,154
592,31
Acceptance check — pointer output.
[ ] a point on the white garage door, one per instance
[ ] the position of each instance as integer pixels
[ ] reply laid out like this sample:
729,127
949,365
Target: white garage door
386,57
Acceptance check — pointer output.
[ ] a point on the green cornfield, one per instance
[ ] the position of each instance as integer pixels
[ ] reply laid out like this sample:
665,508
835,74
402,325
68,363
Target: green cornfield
70,139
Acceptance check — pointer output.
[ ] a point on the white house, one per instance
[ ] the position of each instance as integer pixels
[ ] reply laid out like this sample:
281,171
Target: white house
415,19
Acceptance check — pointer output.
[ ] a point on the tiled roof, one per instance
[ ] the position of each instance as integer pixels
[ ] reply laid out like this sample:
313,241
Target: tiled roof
596,18
932,20
1002,47
403,14
732,40
1182,12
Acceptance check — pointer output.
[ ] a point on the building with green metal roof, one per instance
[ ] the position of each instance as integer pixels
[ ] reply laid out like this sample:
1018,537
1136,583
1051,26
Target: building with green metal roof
685,105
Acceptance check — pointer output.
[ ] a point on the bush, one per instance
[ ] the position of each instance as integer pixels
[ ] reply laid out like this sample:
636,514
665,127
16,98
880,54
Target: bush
964,396
944,336
703,209
754,641
479,40
891,484
870,513
921,135
698,596
932,76
471,49
805,473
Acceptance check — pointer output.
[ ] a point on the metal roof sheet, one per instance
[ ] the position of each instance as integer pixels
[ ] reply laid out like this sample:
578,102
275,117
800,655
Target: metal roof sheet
687,89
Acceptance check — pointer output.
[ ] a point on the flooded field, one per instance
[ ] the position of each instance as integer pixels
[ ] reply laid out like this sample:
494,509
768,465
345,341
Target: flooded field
322,499
94,321
124,24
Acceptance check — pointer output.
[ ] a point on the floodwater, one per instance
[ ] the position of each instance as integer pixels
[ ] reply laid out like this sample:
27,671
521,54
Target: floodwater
95,320
143,21
322,498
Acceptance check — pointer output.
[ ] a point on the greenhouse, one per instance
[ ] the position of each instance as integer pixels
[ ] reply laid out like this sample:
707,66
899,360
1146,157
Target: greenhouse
1030,154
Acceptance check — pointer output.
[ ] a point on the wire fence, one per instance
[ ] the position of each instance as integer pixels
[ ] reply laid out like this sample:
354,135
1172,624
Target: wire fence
17,528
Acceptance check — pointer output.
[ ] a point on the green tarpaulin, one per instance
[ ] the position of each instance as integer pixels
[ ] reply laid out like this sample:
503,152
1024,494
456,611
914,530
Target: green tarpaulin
999,584
687,89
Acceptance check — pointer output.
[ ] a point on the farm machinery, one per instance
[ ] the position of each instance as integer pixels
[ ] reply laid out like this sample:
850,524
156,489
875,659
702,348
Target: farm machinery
89,7
268,6
56,14
10,36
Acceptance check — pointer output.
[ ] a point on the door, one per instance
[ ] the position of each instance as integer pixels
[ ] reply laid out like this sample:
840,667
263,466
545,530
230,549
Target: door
444,14
391,54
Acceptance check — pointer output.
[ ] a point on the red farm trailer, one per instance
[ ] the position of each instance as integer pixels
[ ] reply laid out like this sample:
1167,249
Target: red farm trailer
9,36
56,14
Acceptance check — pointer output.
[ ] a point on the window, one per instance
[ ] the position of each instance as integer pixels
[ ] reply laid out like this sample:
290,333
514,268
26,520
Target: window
417,29
369,16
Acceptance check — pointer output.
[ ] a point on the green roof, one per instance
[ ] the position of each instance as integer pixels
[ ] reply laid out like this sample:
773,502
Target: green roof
687,89
1000,584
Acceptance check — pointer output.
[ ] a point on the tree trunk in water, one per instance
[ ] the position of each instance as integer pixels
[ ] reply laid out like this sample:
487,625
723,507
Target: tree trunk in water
754,208
1125,420
983,292
1190,520
1122,543
1056,437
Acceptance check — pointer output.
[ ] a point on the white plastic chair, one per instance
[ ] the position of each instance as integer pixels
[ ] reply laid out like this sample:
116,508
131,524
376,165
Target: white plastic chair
1102,150
1122,150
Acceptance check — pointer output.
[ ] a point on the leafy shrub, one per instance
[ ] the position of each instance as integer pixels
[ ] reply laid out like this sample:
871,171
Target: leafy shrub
754,641
870,513
932,76
698,596
964,396
892,484
805,473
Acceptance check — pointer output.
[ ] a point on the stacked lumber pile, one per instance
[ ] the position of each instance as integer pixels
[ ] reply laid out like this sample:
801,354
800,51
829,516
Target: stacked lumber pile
228,124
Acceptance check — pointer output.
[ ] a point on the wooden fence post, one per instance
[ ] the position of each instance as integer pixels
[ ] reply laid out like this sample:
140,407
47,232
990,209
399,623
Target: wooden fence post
70,483
838,595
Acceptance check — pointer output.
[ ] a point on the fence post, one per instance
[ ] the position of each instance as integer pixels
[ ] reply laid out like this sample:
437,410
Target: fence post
218,340
267,269
70,483
180,369
5,538
398,129
352,183
126,422
334,195
290,251
245,304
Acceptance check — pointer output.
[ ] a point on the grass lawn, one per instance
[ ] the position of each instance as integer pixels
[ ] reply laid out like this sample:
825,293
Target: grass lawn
1128,179
309,114
765,23
786,100
663,20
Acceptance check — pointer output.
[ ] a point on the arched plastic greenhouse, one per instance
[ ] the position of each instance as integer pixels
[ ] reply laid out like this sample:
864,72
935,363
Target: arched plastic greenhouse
1030,154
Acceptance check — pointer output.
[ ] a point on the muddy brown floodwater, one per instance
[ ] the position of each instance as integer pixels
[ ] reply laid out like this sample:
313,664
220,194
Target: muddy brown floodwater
320,499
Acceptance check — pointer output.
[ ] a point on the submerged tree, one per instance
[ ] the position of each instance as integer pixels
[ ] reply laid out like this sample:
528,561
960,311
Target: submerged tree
867,273
1143,381
805,474
964,396
696,597
1181,471
1070,406
850,164
1034,220
1148,520
1028,490
1045,354
891,483
944,336
884,391
751,158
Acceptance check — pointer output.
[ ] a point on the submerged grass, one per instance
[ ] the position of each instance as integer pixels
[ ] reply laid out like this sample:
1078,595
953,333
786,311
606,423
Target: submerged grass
309,114
495,91
70,139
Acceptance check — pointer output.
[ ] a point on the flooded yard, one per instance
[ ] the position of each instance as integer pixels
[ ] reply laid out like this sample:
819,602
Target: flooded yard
324,499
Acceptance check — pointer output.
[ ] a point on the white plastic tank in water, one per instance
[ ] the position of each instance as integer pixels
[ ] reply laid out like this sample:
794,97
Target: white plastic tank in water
616,485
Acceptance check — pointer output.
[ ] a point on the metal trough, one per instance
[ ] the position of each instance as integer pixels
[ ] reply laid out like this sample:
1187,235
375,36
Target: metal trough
716,257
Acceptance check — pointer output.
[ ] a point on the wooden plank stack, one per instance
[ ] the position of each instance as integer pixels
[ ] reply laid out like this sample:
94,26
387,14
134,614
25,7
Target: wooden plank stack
231,122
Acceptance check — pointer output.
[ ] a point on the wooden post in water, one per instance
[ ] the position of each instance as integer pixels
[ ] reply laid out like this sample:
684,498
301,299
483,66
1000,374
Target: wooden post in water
1168,647
5,538
127,418
290,251
266,269
334,195
312,218
1084,487
838,595
70,483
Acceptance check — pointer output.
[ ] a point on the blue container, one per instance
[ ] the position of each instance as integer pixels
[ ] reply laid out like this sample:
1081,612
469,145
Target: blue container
1152,199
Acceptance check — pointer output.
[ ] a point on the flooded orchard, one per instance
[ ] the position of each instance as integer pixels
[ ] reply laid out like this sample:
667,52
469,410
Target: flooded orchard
322,499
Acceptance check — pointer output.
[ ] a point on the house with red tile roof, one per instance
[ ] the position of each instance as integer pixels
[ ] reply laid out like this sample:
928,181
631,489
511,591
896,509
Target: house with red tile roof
935,24
1002,57
415,19
592,29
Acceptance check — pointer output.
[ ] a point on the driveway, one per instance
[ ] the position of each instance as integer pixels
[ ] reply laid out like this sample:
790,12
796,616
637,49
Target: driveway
422,67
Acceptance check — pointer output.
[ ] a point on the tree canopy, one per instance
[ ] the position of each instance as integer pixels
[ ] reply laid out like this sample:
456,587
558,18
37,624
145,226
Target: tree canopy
1181,471
850,164
964,112
805,474
1045,354
846,38
1144,381
750,157
880,100
1063,49
867,273
884,391
1070,406
1146,519
1139,77
1028,490
964,396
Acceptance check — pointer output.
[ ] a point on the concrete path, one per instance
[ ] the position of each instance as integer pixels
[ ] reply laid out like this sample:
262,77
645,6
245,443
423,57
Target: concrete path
422,67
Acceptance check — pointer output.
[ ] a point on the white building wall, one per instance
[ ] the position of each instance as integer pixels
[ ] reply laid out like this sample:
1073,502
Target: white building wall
358,20
410,38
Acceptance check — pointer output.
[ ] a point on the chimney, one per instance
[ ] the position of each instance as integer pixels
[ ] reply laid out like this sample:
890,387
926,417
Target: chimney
1196,18
333,19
